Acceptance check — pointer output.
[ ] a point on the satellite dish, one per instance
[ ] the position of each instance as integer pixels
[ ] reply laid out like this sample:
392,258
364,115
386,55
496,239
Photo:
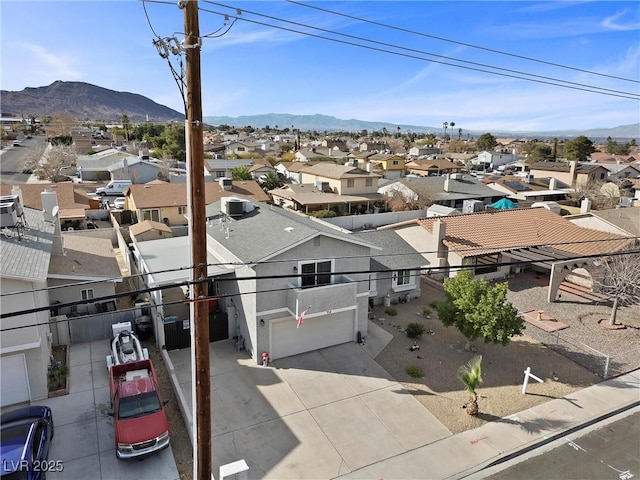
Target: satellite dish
55,210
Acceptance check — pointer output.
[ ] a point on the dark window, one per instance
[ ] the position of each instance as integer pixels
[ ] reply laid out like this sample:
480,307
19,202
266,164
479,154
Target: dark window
316,274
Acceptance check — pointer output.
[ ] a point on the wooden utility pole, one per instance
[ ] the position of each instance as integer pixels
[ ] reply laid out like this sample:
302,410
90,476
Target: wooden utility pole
198,236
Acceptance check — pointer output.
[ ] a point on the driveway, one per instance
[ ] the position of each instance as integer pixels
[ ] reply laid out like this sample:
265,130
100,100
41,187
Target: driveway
316,415
84,435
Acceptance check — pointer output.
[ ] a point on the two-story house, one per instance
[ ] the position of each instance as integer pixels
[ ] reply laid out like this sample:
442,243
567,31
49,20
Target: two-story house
288,283
341,179
386,165
494,159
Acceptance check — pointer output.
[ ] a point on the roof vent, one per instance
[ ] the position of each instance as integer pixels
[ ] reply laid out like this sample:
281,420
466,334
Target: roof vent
288,229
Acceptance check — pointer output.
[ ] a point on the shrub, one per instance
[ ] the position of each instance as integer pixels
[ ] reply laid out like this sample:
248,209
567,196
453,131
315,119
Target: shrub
426,311
324,214
415,330
415,371
434,304
392,312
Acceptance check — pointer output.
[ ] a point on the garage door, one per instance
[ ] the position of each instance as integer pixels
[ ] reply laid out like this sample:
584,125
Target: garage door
14,382
315,333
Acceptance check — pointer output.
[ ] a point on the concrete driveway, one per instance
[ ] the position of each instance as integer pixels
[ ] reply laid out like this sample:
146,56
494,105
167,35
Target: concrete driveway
316,415
84,435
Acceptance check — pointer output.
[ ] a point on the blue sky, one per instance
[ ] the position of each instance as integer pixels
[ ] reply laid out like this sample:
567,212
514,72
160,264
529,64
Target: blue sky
252,68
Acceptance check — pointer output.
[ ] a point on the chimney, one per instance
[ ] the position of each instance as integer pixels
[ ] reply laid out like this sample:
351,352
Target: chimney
552,183
585,205
572,171
50,209
439,234
15,190
447,180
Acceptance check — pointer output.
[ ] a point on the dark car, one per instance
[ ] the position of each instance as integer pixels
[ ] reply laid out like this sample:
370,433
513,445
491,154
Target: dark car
24,446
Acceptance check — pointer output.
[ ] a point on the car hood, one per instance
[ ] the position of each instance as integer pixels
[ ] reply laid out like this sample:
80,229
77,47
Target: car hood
141,429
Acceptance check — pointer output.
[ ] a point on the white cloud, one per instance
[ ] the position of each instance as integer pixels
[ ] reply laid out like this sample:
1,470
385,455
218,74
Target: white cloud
613,23
54,66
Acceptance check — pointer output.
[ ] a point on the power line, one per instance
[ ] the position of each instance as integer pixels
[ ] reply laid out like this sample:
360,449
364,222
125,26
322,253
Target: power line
537,78
531,59
273,277
251,263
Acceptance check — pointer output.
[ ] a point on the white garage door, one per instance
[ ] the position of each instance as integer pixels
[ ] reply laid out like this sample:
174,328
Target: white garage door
315,333
14,382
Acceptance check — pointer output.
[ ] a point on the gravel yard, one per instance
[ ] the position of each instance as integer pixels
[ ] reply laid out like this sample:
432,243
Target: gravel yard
500,395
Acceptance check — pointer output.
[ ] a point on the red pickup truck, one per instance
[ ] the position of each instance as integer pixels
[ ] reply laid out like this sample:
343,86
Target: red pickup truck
139,417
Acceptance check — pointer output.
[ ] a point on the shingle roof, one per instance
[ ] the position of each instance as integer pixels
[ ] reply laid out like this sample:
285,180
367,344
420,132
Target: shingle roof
308,194
332,170
69,196
396,253
28,257
491,232
158,194
268,230
86,257
147,225
564,166
433,187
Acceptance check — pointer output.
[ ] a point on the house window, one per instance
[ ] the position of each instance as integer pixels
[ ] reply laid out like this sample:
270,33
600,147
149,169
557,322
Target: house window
152,214
403,277
182,210
369,182
601,176
396,162
220,173
315,274
87,294
350,183
241,149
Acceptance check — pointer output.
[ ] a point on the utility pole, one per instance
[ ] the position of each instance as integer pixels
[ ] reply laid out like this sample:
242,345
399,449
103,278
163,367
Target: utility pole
198,235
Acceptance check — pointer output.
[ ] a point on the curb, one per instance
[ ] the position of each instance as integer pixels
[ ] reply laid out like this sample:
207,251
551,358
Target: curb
541,443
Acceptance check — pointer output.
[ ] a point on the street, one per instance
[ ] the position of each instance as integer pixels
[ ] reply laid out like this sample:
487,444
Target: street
609,452
13,159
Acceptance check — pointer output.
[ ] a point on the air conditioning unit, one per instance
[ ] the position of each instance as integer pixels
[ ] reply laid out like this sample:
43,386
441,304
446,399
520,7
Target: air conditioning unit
225,183
322,186
472,206
528,178
15,199
8,215
456,176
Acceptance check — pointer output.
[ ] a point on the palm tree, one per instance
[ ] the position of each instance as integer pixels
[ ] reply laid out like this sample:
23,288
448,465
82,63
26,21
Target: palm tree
459,133
471,375
452,124
444,126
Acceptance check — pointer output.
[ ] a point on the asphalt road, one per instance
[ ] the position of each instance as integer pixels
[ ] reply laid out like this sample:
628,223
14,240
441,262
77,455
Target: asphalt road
608,452
13,159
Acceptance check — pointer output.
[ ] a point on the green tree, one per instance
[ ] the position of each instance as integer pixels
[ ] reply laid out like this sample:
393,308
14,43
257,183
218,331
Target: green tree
540,152
240,173
174,146
486,142
471,375
124,119
272,181
580,148
479,310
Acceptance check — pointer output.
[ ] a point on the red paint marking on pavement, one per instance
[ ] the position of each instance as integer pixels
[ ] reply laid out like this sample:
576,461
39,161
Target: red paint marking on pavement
477,440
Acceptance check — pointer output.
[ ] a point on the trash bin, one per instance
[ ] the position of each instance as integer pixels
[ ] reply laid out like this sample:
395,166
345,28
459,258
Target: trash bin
387,300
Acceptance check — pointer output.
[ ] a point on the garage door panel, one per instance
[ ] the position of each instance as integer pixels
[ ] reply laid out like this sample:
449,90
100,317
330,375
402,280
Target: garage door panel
314,333
14,381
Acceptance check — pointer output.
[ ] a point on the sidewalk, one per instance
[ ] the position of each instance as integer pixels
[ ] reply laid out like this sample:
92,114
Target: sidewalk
459,456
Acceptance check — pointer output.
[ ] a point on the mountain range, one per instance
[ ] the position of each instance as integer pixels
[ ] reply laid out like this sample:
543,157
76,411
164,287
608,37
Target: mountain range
86,101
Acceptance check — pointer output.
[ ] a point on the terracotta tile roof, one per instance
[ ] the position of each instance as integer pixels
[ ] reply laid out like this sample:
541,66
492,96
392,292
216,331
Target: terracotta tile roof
492,232
158,194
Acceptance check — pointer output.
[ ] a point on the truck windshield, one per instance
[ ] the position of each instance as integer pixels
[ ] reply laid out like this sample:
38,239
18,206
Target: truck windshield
139,405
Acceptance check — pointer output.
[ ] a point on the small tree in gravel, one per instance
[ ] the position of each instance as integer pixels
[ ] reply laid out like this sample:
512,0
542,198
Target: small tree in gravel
415,330
619,276
479,310
471,375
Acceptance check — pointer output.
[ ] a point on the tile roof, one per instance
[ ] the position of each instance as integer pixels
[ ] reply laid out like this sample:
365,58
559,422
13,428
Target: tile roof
158,194
491,232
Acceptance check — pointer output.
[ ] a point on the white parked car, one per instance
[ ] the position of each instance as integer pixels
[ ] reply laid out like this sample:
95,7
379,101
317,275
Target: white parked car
119,202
